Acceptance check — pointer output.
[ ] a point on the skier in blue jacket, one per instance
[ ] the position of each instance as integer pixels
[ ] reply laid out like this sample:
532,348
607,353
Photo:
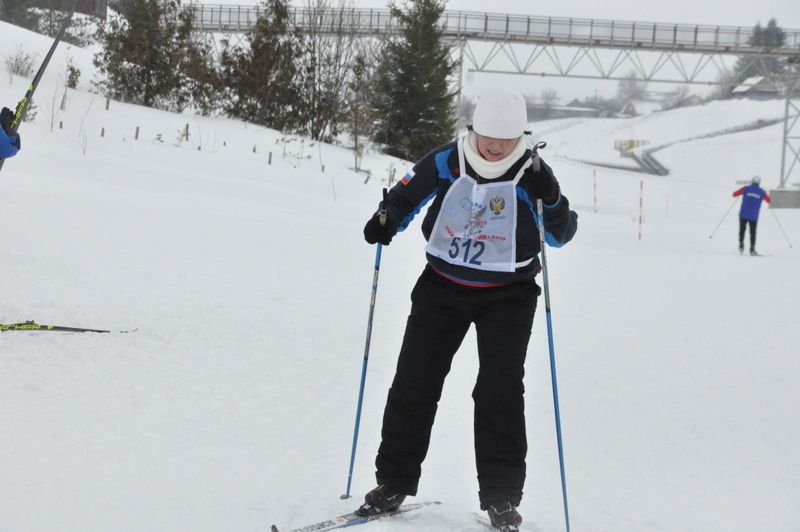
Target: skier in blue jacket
482,259
9,143
752,196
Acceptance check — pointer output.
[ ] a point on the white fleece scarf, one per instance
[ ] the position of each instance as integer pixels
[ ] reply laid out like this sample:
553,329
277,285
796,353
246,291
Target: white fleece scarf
491,169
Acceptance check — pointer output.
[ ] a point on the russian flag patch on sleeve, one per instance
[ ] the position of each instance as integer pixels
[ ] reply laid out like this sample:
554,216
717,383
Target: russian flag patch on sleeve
407,177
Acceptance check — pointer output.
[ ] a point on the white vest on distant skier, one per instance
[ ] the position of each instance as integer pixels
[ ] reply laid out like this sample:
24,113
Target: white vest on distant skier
477,223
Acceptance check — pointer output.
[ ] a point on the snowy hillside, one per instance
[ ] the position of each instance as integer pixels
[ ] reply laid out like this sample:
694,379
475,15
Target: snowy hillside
231,406
14,40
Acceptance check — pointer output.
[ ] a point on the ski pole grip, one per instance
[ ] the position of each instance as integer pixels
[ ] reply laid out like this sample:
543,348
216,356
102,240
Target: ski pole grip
537,165
382,208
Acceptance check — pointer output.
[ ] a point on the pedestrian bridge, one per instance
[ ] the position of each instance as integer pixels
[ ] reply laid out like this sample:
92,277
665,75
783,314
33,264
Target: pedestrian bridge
495,43
553,31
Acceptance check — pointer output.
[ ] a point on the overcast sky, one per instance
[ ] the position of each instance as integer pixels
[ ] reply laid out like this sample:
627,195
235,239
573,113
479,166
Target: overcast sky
716,12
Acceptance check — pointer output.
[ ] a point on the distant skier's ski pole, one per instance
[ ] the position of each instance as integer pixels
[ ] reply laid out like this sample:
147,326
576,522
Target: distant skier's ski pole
781,227
723,218
22,106
382,212
550,343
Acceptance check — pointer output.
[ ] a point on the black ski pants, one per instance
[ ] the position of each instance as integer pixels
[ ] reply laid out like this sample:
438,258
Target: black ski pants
441,313
742,225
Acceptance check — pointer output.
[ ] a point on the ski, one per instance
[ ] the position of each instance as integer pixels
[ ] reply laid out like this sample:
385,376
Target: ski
353,519
31,325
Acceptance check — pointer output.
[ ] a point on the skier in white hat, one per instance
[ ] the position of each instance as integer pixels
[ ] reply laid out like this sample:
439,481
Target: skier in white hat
482,260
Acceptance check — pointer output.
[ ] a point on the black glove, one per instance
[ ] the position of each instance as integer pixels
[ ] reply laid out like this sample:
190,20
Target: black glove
543,185
6,119
15,140
375,232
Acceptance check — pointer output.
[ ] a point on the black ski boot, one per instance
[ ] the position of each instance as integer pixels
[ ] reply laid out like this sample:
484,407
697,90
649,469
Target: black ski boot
381,500
504,516
741,248
753,251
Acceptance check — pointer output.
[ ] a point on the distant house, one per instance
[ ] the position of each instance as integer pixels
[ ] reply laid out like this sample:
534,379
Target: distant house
639,107
756,88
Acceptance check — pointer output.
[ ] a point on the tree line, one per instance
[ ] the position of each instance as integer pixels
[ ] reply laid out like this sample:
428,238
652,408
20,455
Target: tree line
317,82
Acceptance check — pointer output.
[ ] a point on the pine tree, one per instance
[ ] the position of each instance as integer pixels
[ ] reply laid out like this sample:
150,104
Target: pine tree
771,36
261,80
412,102
149,57
199,83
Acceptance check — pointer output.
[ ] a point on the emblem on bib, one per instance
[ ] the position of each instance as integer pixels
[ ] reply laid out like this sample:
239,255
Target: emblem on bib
497,204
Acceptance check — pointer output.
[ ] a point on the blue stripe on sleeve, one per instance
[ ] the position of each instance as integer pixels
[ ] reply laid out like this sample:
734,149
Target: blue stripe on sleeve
442,167
410,216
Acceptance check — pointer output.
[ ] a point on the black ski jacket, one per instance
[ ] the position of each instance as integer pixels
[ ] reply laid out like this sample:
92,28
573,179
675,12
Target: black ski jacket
431,178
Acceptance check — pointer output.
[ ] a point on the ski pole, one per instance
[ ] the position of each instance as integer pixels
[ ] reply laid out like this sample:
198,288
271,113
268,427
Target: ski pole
22,106
781,227
382,213
551,347
723,219
550,343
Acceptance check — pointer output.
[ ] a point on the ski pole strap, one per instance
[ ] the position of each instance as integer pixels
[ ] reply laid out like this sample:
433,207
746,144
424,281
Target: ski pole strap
537,164
382,208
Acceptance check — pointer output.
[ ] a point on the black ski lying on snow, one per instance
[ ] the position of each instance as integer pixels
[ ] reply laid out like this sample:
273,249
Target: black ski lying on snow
353,519
31,325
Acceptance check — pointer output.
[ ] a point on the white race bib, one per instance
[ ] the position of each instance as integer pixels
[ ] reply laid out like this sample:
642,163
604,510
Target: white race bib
477,223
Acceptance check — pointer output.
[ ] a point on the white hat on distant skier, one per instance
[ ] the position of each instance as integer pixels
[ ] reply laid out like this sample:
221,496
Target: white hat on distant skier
500,114
756,179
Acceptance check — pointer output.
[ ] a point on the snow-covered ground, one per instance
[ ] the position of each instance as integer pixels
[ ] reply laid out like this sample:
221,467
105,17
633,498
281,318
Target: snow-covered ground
232,405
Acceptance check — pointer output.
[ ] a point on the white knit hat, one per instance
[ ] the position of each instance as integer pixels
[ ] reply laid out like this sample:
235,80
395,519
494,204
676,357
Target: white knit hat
756,179
500,114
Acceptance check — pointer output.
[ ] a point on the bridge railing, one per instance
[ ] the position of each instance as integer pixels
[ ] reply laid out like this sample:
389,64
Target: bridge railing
520,28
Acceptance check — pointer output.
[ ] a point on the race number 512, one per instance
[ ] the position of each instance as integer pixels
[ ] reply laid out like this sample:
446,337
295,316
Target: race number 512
468,250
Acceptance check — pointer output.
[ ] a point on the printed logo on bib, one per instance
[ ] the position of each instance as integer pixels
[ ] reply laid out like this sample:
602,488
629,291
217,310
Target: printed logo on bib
497,204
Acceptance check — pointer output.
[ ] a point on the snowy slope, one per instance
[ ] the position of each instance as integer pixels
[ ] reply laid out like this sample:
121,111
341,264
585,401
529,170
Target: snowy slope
14,40
232,405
